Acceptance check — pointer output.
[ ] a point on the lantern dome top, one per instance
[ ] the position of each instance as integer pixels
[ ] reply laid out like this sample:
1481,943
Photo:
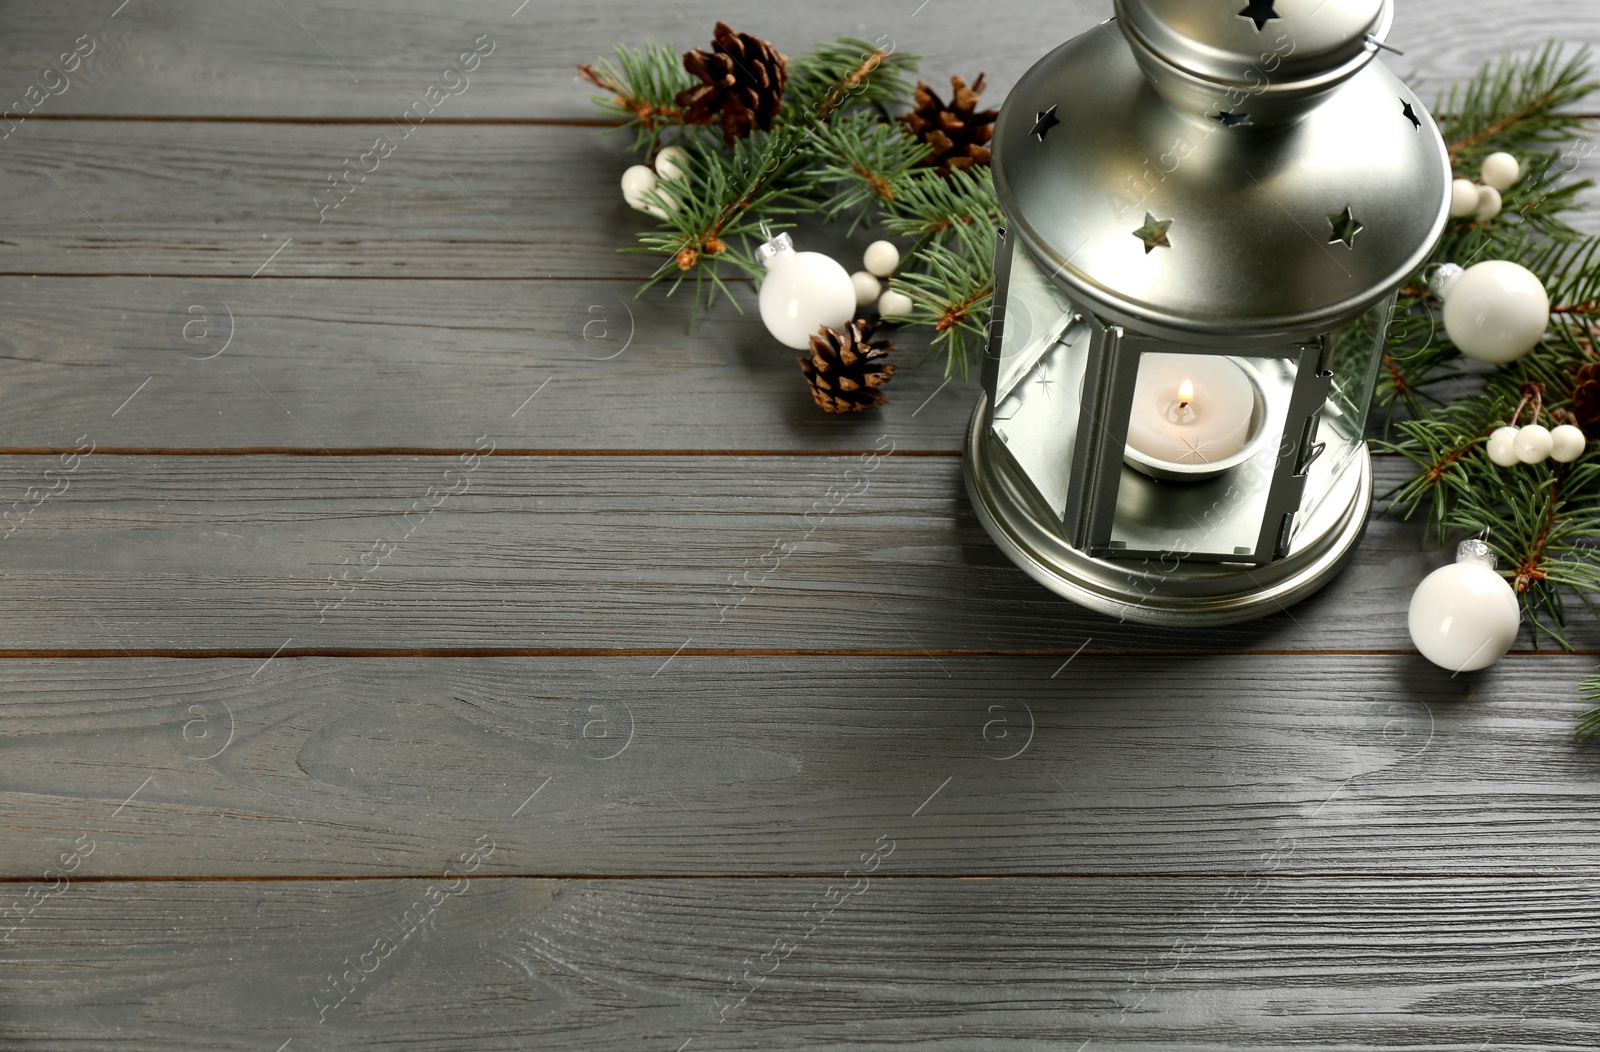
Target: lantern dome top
1318,43
1180,183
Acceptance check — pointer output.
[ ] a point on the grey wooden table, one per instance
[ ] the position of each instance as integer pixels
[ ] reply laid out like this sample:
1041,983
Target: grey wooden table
322,731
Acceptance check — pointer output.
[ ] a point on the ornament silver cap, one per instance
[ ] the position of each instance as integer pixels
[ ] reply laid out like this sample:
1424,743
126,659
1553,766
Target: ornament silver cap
1444,278
781,245
1476,551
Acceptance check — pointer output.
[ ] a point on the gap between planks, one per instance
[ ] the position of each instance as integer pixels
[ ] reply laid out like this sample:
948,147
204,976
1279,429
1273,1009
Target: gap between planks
352,878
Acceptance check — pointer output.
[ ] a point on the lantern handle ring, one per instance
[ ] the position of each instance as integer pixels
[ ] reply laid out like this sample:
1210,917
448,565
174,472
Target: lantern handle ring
1383,45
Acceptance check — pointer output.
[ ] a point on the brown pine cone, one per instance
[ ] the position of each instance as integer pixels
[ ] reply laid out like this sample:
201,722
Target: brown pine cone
744,80
846,368
1586,399
960,132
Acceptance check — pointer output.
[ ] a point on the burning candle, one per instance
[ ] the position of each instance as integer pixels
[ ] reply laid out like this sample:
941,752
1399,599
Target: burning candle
1190,410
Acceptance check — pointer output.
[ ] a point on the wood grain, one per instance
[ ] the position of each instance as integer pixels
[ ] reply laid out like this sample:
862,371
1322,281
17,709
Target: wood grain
786,765
188,200
349,58
389,364
141,199
1293,833
196,554
1250,963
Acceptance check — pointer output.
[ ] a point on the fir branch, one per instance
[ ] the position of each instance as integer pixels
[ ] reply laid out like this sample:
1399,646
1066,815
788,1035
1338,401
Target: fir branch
1571,275
1516,103
1441,444
708,219
1542,522
929,207
865,159
641,87
952,290
1538,202
1589,722
709,215
844,73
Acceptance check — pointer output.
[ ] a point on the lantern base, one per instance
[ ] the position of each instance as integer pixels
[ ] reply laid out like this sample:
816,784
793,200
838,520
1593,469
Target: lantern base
1160,591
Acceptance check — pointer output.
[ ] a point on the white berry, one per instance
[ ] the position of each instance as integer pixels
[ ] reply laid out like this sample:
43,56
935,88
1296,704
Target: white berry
672,162
1463,198
1501,171
1496,311
1567,444
1533,444
881,259
1501,449
895,305
1488,204
636,182
868,288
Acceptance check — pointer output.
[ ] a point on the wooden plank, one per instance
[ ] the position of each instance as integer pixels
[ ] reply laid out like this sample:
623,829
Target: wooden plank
424,365
197,554
428,365
1255,962
786,765
142,199
342,58
451,201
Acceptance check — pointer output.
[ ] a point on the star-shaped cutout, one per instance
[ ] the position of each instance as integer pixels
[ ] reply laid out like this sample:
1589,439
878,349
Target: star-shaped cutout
1046,121
1260,12
1232,120
1345,228
1153,233
1195,452
1410,114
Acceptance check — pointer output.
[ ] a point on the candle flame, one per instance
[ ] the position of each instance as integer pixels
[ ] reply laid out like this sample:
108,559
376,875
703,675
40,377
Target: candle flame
1186,392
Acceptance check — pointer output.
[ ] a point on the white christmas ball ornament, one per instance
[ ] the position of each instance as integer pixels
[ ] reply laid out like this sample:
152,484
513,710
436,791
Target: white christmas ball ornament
1489,204
672,162
802,292
1567,443
1502,449
1501,171
1533,444
1464,616
1495,311
1463,198
895,305
868,288
881,259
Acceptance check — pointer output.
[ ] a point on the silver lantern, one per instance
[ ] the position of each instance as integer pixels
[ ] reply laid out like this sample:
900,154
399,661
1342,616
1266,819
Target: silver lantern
1208,211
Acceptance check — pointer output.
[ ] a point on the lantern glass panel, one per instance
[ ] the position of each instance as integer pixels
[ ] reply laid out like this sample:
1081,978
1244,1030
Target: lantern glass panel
1043,348
1034,312
1356,352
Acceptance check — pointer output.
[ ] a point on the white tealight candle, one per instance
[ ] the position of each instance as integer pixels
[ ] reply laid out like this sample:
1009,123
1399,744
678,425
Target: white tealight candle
1190,410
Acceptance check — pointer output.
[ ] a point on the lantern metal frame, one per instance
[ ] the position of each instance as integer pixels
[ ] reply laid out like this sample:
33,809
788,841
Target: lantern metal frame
1048,472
